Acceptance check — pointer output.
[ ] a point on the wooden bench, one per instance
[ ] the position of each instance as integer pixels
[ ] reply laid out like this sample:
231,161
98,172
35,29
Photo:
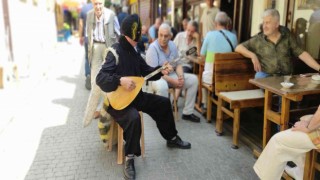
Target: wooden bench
232,72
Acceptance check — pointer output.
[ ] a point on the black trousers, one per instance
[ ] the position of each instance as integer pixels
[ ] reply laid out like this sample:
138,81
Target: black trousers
158,107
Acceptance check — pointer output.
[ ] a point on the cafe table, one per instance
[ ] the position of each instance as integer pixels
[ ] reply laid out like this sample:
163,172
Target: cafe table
198,68
303,85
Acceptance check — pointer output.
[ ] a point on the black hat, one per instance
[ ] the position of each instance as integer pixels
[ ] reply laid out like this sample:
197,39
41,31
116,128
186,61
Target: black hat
131,27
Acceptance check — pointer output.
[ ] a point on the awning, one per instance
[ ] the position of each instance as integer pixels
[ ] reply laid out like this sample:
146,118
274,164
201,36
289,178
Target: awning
132,1
67,4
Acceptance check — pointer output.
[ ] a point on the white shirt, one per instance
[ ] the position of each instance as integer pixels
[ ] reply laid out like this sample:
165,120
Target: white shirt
98,33
182,45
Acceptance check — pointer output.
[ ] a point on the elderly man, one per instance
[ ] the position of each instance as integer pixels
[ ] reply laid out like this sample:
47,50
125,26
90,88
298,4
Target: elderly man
101,34
272,49
113,75
186,40
162,50
219,41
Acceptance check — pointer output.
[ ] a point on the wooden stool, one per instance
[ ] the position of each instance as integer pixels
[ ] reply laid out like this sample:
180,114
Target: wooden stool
120,139
172,91
1,77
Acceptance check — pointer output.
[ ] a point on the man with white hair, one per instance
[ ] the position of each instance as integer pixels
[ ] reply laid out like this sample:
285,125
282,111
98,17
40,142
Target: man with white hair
272,49
101,33
162,50
219,41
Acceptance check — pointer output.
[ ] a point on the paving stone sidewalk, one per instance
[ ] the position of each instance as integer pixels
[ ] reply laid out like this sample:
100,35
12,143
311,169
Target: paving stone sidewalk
45,139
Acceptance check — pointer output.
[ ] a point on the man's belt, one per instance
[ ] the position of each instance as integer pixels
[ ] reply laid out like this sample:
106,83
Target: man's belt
99,42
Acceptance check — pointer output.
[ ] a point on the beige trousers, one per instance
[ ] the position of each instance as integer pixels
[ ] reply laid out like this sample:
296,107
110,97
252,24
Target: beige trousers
284,146
95,100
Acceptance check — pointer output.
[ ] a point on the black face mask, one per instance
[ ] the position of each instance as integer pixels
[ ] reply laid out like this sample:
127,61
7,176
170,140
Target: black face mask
131,27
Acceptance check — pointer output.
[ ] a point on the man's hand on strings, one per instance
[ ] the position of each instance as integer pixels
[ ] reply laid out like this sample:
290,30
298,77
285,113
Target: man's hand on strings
127,83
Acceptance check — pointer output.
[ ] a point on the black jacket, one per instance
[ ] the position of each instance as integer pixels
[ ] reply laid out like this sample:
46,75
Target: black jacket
130,64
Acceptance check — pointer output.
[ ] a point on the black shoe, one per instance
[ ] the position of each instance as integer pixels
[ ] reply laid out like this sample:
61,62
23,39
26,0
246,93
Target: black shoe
129,170
178,143
88,82
191,117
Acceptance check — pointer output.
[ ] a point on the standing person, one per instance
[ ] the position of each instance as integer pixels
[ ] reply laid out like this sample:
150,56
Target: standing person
207,19
185,22
113,74
162,50
216,42
84,40
289,145
153,30
101,34
272,49
123,14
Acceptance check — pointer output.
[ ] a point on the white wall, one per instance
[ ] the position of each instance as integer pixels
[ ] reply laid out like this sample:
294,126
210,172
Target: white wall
33,31
3,54
258,8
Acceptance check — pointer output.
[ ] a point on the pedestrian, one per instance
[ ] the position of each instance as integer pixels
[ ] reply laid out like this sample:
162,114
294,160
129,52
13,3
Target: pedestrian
101,34
123,14
84,41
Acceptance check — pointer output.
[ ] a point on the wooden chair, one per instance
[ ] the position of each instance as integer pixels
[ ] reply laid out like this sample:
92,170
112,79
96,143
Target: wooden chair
120,139
232,72
311,165
1,77
210,97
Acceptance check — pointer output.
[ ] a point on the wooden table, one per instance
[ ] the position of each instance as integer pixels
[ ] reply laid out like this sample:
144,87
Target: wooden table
198,67
302,86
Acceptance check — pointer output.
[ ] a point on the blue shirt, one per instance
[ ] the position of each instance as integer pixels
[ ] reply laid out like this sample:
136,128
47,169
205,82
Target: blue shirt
156,56
152,32
215,42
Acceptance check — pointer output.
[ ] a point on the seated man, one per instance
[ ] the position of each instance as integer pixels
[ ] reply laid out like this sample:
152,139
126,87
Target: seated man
162,50
289,145
113,74
186,40
220,40
272,49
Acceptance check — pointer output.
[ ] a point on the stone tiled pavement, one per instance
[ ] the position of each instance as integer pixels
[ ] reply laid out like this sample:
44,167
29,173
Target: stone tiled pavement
44,138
